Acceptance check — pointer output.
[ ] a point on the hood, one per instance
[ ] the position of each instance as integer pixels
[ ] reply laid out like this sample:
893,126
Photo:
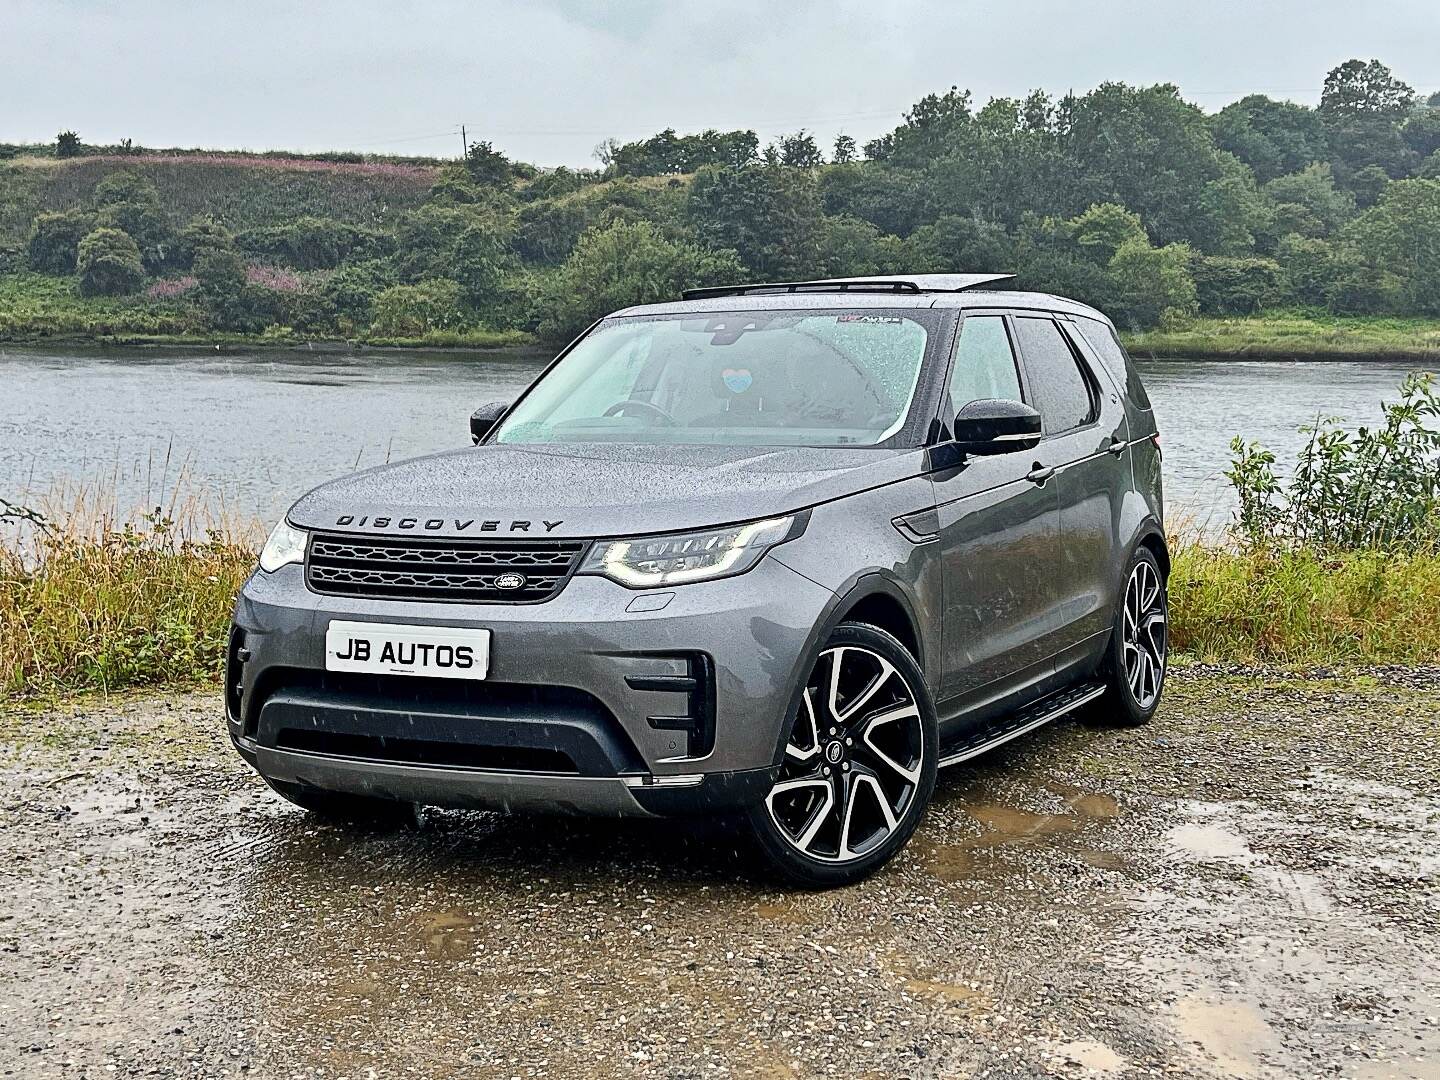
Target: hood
595,489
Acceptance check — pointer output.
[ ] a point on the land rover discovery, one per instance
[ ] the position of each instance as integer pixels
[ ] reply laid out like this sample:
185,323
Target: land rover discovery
776,552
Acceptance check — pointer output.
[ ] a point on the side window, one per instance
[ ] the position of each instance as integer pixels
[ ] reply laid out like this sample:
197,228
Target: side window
984,362
1062,393
1116,360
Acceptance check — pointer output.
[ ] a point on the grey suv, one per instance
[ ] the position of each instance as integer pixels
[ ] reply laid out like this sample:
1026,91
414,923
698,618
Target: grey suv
777,552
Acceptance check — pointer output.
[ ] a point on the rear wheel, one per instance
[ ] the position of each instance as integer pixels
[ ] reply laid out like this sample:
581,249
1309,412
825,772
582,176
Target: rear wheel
342,807
859,763
1135,661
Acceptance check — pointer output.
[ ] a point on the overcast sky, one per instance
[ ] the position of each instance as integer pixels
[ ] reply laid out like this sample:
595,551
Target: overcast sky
546,80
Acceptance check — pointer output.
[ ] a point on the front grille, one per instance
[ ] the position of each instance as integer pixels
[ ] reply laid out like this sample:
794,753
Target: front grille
425,568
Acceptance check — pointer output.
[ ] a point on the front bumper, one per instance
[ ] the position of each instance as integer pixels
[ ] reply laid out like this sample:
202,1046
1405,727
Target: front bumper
580,710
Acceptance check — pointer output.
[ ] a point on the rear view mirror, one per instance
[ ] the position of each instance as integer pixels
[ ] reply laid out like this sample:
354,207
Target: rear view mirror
996,426
483,419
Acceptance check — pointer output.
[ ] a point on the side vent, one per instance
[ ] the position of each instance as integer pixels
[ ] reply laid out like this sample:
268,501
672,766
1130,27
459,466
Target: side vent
698,686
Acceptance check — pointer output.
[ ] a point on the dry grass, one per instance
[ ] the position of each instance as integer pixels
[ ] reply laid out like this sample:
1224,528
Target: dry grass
92,601
1305,607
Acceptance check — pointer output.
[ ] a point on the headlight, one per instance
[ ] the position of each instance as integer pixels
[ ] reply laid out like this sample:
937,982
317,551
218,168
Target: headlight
676,558
285,546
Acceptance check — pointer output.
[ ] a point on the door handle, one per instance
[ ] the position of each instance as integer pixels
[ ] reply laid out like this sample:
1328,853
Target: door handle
1038,474
1118,446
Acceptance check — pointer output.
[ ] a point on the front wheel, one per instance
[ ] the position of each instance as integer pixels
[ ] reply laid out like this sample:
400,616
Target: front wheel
859,763
1136,658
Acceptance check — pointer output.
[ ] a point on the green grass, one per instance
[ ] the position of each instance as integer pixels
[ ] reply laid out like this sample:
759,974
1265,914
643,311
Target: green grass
1305,608
1295,334
36,306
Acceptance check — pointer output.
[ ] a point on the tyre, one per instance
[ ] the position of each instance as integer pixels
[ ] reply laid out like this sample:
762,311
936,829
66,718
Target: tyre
341,807
1135,660
858,766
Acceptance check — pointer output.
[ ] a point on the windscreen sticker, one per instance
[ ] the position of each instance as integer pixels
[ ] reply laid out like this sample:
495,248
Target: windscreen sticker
869,318
737,380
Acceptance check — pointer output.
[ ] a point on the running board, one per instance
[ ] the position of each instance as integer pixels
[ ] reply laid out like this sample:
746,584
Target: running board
1027,719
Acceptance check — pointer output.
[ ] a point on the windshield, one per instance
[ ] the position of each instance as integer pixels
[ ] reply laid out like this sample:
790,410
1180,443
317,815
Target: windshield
748,378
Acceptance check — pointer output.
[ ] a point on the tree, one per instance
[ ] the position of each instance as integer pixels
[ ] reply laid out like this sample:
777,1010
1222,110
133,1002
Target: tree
926,131
845,151
1362,107
1272,137
670,154
1308,266
68,145
109,264
1359,88
55,240
126,200
850,247
412,311
488,166
1146,149
1225,285
958,245
1400,236
1421,132
625,264
768,215
1152,284
799,151
1309,203
1105,228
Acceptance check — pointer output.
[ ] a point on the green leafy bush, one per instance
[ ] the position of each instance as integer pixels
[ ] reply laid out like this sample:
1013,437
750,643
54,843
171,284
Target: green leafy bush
55,240
109,264
415,310
1230,285
1374,489
625,264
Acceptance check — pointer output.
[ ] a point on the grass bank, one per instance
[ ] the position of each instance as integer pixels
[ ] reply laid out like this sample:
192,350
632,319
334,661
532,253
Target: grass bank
1305,608
1287,335
39,309
104,607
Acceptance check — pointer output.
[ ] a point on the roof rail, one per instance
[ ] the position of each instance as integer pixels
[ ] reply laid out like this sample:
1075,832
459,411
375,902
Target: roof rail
912,283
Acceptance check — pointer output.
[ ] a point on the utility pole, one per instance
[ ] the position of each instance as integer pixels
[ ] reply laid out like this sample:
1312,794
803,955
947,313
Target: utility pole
464,144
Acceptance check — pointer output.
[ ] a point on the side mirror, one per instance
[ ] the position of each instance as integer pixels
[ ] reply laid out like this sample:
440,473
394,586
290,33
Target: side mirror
995,426
486,417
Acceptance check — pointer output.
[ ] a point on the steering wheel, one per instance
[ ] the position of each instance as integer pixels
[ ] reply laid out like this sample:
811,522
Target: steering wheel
621,407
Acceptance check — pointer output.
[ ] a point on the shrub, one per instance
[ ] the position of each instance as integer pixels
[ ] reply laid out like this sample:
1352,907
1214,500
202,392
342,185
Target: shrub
1151,283
626,264
55,240
67,145
313,243
1375,489
1230,285
109,264
416,310
351,291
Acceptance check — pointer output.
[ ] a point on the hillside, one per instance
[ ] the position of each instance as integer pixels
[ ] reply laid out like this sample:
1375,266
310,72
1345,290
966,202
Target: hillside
1129,198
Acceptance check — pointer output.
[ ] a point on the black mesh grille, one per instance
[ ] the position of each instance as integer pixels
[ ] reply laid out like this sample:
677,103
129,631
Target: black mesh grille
421,568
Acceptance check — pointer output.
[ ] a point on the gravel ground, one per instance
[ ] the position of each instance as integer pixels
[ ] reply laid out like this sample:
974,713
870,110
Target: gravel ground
1250,887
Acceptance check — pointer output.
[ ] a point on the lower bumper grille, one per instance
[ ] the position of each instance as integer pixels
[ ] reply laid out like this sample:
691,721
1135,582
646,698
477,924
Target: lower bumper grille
422,568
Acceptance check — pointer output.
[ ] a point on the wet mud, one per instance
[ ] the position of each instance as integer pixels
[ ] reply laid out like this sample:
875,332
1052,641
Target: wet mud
1250,887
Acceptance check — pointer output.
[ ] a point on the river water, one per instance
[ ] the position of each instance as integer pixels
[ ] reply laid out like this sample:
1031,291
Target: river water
249,432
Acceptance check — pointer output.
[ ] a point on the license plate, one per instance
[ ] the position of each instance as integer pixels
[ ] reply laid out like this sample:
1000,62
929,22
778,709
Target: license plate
392,649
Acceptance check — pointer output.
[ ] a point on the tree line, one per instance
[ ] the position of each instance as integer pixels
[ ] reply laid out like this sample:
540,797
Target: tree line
1127,197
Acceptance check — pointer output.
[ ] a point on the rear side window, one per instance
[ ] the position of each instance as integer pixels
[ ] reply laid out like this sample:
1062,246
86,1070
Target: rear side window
984,362
1116,360
1061,391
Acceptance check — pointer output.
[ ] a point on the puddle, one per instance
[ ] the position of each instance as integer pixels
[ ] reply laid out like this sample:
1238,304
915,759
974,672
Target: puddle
951,993
447,934
1232,1035
1095,1057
